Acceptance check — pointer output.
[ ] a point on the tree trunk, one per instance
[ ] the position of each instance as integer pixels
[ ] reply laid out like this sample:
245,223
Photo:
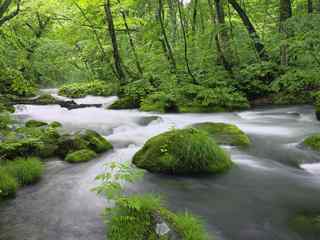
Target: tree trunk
116,54
185,43
285,14
259,47
165,40
310,6
4,8
194,15
173,19
124,17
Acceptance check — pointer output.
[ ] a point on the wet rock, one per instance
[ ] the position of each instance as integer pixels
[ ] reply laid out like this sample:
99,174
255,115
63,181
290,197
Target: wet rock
145,121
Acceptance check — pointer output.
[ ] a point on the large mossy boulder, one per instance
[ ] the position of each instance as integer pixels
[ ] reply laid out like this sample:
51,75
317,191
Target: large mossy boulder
8,184
80,156
313,142
186,151
225,134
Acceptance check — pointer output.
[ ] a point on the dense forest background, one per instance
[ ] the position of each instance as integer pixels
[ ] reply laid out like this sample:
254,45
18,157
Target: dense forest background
165,55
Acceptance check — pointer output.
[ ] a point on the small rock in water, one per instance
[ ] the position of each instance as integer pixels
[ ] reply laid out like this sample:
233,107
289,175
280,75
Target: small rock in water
162,229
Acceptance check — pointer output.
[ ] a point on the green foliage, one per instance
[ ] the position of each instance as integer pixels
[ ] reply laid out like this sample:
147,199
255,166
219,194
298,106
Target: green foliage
25,170
160,102
306,224
5,120
223,133
254,79
46,99
184,151
80,156
313,142
124,103
35,124
8,185
95,88
13,82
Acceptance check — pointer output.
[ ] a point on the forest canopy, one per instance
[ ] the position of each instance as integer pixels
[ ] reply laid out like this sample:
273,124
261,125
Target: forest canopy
165,55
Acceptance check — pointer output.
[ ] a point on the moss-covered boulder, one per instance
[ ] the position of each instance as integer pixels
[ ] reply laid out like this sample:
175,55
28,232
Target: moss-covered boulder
125,103
45,99
87,139
307,225
148,219
83,155
35,123
96,142
182,152
8,184
226,134
25,170
55,125
313,142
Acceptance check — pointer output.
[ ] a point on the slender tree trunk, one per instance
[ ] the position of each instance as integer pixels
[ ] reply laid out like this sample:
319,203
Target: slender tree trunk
194,15
221,58
116,54
285,14
135,54
168,48
173,20
259,47
185,42
4,8
310,6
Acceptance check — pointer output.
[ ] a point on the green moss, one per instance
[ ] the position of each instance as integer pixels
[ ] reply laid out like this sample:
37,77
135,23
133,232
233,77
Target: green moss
46,99
35,123
136,217
55,125
222,133
68,143
306,224
8,184
124,103
96,142
182,152
87,139
83,155
160,102
82,89
313,142
25,170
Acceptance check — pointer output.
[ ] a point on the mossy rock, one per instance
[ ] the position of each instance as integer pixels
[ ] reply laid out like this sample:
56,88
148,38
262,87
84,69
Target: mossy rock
83,155
45,99
149,220
186,151
124,103
313,142
68,143
306,224
8,185
96,142
318,112
27,141
225,134
25,170
55,125
87,139
35,123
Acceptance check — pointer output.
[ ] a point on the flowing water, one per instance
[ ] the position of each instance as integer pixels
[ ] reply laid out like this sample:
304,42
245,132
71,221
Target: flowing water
253,201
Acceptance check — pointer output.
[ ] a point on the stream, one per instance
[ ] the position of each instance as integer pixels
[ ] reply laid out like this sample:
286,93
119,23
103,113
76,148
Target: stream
253,201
